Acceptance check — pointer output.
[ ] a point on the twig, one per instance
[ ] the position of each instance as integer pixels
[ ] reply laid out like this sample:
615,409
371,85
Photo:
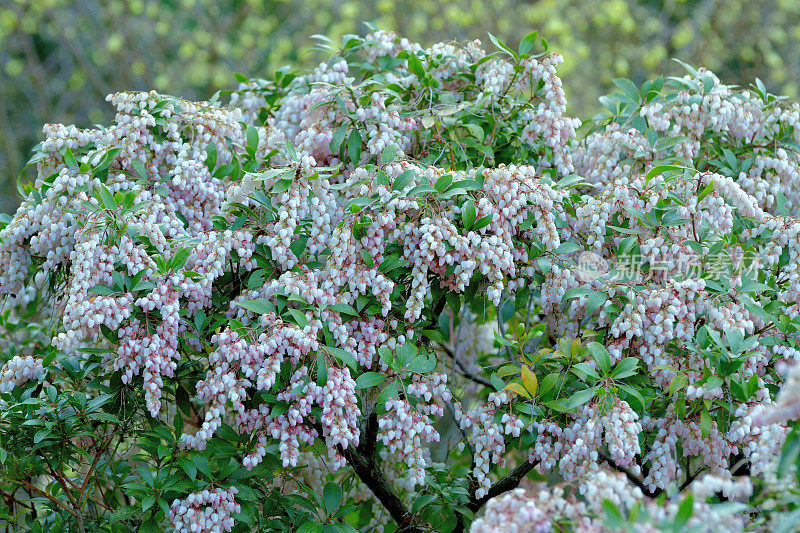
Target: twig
40,492
509,482
633,478
465,371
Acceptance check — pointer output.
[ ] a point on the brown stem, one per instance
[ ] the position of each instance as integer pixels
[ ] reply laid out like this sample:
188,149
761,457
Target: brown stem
633,478
372,476
509,482
362,459
40,492
100,452
465,371
65,484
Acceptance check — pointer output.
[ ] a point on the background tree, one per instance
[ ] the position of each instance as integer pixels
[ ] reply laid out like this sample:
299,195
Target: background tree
59,59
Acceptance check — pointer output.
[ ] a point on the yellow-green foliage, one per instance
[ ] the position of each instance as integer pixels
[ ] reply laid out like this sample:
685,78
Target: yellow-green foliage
59,58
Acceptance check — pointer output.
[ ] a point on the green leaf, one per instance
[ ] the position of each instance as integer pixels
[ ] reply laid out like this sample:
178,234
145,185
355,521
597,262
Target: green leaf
343,355
386,355
148,502
738,390
260,306
684,512
482,222
41,435
338,138
573,180
389,153
179,258
322,369
282,185
576,292
678,383
188,467
299,317
596,300
138,167
70,160
343,308
105,417
290,151
415,65
660,169
468,214
402,181
332,495
567,248
421,501
368,260
252,137
146,475
107,199
354,144
211,156
628,87
705,423
625,368
713,382
406,353
423,188
392,262
757,311
102,290
369,379
422,364
443,182
391,390
634,399
600,356
581,397
497,383
614,518
502,46
310,527
585,369
203,465
528,42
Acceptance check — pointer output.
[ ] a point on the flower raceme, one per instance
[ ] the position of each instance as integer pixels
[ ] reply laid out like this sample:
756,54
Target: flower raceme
400,282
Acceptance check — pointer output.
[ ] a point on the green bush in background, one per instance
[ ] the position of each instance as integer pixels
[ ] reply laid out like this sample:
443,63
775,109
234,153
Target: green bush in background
59,58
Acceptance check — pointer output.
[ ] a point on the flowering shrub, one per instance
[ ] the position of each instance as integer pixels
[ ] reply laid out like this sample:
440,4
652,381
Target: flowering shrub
400,292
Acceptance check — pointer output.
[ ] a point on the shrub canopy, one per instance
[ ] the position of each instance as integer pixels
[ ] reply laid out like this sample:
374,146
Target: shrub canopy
401,291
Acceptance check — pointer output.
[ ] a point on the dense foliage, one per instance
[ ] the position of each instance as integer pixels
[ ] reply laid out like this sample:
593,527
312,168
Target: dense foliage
60,58
400,291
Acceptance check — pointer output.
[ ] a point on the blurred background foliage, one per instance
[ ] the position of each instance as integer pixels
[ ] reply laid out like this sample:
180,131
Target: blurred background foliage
59,58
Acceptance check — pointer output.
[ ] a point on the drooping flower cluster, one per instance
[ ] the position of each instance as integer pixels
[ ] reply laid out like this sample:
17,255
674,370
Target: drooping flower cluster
511,513
486,437
689,116
405,427
18,370
206,511
518,511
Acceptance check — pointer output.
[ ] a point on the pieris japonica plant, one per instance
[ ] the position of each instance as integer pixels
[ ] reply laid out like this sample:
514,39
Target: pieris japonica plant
401,292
